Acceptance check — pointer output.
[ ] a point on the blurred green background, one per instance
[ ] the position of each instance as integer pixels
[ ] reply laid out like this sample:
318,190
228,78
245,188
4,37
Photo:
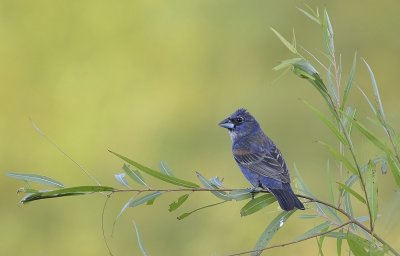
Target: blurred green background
151,80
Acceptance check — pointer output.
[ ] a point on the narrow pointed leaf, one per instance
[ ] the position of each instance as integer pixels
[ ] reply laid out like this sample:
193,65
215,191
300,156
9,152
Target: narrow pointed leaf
207,184
72,191
339,242
308,216
348,207
120,177
394,168
134,175
216,182
270,231
378,100
351,191
315,230
328,34
371,186
133,202
371,136
35,178
362,219
356,246
27,190
368,101
331,126
175,205
144,199
310,16
165,169
257,204
347,119
330,183
239,194
350,80
156,174
186,214
340,157
286,63
139,239
285,42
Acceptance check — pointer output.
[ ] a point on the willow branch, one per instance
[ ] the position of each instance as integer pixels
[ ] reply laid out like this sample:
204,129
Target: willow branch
293,242
351,219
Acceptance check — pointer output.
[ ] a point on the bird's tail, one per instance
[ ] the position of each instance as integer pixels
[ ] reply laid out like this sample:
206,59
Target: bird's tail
287,199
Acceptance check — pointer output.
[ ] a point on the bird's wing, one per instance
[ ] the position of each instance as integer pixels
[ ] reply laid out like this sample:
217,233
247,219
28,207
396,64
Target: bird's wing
267,163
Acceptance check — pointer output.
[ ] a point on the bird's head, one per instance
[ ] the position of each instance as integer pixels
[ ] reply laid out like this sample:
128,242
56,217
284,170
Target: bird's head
240,123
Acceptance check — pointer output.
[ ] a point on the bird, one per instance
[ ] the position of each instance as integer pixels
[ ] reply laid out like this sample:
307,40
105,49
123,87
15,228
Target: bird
259,159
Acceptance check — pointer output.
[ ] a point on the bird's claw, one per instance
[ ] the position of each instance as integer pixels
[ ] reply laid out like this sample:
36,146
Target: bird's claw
252,191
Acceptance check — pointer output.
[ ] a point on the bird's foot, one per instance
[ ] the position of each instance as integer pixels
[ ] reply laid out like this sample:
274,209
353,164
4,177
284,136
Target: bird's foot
253,191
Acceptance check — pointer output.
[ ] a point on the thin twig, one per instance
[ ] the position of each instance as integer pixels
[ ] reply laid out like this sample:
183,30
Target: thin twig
102,225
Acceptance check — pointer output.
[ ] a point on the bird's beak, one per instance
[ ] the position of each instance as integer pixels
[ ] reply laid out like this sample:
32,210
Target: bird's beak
226,123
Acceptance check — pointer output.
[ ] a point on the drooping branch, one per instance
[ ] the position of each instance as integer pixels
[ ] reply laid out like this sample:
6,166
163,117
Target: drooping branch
293,242
351,219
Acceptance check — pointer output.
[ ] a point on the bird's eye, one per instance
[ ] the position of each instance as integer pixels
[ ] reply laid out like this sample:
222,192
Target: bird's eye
239,119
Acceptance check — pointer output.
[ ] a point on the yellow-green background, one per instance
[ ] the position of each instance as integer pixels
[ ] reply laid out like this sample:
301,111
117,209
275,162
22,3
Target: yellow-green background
151,80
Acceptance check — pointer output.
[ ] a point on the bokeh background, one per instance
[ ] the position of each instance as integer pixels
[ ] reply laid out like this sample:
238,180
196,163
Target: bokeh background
151,80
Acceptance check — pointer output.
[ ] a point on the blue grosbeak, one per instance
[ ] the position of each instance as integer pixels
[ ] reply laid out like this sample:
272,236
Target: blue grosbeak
259,159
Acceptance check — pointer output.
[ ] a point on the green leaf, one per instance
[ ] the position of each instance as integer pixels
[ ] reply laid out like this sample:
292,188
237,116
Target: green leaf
337,235
133,202
339,242
285,42
310,16
239,194
348,207
156,174
286,63
257,204
308,216
394,168
371,186
207,184
72,191
270,231
165,169
381,112
175,205
347,119
315,230
186,214
143,199
328,34
368,101
35,178
340,157
216,182
27,190
351,191
371,136
332,127
120,177
356,246
139,239
350,80
134,175
330,183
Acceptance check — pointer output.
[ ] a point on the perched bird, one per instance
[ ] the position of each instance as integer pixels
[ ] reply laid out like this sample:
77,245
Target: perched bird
259,159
